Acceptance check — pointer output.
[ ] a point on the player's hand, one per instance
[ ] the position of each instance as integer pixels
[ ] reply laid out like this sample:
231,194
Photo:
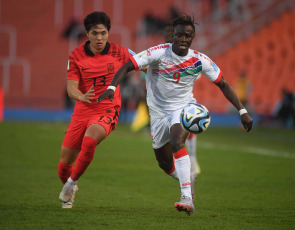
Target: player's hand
109,93
88,95
247,122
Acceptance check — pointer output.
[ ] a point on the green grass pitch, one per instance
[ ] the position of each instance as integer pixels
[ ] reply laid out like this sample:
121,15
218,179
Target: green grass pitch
247,182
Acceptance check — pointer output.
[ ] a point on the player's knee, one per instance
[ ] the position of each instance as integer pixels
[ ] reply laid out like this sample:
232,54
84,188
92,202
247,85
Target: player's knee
65,160
68,156
177,145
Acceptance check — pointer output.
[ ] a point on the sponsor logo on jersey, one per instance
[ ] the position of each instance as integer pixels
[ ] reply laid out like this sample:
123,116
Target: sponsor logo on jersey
168,63
186,184
83,69
149,51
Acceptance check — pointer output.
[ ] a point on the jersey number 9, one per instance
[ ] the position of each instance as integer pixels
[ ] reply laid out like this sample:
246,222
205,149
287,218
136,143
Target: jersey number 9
176,76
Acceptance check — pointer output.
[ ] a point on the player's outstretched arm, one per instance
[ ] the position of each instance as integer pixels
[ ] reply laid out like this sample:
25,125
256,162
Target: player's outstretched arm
231,96
119,76
76,94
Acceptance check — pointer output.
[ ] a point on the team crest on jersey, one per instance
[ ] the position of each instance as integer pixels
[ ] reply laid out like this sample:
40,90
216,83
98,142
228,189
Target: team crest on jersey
111,68
190,70
168,63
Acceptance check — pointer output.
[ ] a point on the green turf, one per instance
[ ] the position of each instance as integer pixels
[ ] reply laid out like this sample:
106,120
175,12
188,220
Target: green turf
247,182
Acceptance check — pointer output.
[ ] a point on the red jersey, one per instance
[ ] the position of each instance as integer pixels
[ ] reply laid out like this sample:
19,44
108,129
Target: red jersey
98,70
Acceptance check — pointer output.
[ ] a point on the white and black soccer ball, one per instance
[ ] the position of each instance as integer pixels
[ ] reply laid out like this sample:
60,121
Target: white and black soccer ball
195,118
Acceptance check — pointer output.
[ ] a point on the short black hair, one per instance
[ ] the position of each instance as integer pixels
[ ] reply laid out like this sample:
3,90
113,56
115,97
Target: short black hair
95,18
184,20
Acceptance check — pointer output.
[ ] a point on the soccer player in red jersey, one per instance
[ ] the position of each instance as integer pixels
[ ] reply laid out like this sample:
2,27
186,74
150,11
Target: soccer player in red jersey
91,68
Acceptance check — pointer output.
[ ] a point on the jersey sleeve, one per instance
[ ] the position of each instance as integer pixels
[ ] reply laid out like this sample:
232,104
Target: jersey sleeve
148,57
73,72
131,52
210,69
128,53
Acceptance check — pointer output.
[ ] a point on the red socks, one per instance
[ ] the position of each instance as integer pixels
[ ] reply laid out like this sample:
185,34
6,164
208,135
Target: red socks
84,158
64,172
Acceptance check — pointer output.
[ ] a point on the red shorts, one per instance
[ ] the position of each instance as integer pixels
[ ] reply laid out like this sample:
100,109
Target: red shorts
78,126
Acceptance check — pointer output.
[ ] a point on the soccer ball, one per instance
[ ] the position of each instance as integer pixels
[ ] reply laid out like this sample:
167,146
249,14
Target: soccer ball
195,118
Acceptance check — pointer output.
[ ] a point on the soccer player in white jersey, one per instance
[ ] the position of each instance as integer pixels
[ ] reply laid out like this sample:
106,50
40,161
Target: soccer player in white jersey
191,141
173,69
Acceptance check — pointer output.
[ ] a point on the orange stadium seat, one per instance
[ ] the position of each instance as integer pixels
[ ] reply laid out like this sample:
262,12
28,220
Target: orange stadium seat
268,57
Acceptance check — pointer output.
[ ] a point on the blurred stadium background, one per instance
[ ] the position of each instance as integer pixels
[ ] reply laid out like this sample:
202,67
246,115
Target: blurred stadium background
247,180
253,42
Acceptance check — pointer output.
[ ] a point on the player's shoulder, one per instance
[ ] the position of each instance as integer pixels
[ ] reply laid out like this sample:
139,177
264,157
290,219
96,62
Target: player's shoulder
201,56
116,50
78,49
117,47
159,49
78,52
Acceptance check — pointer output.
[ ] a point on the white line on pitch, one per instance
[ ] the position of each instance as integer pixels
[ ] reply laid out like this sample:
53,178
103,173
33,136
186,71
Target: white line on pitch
253,150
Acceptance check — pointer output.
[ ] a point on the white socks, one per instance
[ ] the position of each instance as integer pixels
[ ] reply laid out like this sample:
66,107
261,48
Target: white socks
182,167
191,146
174,175
71,181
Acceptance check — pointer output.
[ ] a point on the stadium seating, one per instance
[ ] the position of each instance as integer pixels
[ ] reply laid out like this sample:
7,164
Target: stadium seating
268,57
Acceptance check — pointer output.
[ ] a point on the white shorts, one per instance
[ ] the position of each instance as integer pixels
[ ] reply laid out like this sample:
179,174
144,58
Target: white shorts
160,128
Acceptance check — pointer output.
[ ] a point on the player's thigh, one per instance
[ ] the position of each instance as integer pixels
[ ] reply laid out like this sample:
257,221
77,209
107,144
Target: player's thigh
68,156
96,131
101,125
164,153
75,133
178,135
159,132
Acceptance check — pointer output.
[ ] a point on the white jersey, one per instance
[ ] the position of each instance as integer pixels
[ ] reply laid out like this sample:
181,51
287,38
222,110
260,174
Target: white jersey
170,78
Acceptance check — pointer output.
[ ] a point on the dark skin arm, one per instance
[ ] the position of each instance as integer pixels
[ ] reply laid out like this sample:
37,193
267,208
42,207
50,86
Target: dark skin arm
118,78
231,96
222,84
